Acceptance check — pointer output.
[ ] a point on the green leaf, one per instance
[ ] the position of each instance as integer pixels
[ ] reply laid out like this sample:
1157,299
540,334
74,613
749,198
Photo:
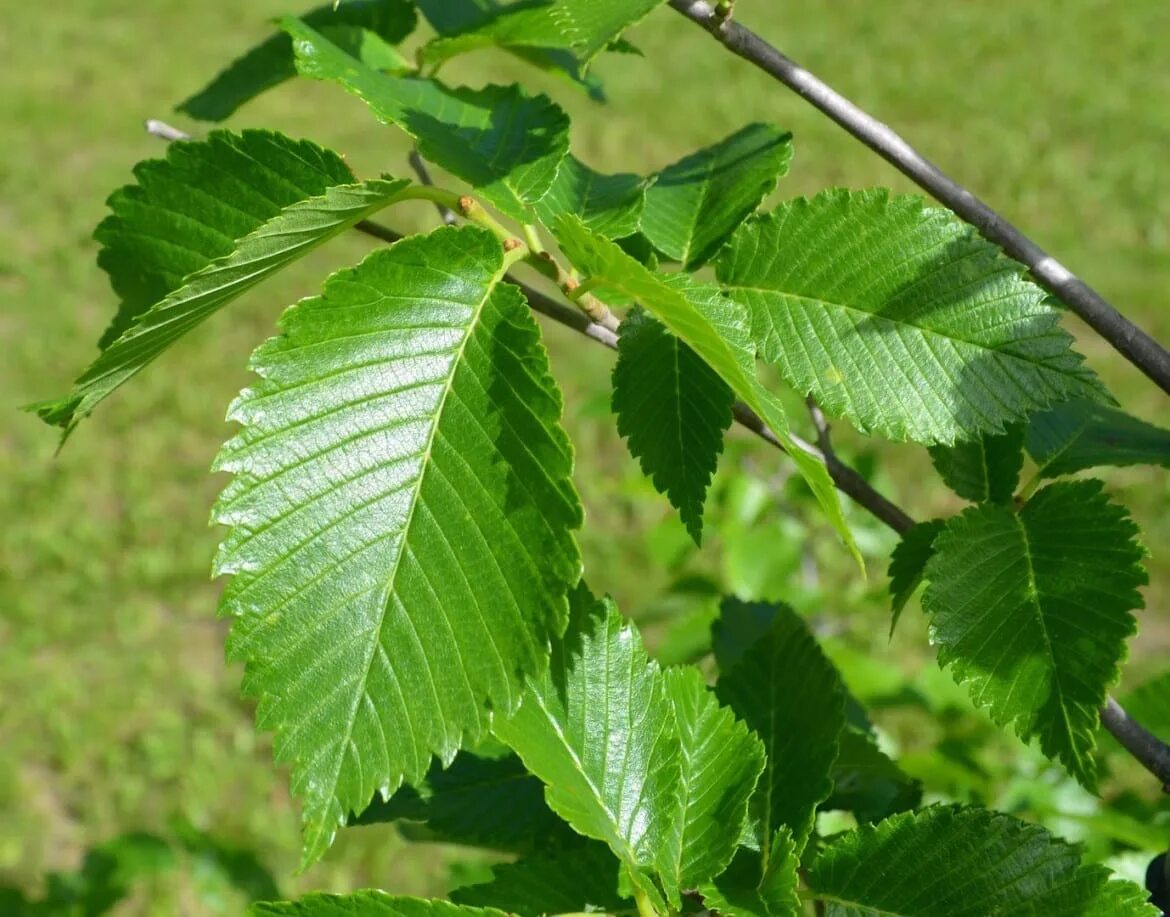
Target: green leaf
171,198
867,783
899,318
697,203
271,63
964,862
568,883
742,891
983,470
739,627
461,804
785,689
673,410
402,515
368,904
713,327
721,764
1031,611
591,26
610,205
503,143
908,564
1083,434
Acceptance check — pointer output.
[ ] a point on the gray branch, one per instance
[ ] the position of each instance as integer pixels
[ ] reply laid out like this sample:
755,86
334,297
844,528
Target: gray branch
1127,338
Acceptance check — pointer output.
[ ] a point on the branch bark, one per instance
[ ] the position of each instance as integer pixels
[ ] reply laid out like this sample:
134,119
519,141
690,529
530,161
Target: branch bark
1127,338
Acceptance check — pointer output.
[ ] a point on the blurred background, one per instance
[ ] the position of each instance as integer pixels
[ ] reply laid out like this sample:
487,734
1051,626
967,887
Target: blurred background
124,746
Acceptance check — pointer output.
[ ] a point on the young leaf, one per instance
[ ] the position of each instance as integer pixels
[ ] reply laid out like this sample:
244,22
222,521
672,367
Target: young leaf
1031,611
791,696
271,63
268,248
743,891
673,410
983,470
908,564
964,862
461,804
586,879
713,327
1083,434
867,783
503,143
367,904
402,515
900,318
610,205
697,203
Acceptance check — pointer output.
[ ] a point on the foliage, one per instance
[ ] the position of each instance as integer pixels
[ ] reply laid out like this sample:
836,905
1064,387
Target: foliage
406,584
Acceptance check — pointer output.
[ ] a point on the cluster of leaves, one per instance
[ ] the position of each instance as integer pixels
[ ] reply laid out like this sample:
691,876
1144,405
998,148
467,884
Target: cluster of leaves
405,578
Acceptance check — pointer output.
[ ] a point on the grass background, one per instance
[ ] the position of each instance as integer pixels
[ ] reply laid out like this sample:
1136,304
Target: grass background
116,709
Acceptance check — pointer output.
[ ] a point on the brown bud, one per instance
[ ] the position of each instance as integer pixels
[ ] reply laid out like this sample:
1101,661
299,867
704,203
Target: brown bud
466,204
510,245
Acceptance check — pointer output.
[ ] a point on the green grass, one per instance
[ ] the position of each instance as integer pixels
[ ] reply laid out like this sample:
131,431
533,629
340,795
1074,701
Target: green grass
118,710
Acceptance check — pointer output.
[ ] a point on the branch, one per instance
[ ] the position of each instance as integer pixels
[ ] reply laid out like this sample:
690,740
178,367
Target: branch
1127,338
1150,751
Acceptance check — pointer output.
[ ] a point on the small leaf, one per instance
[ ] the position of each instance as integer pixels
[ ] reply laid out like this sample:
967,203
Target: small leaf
983,470
1031,610
899,318
567,883
697,203
785,689
713,327
742,891
867,783
367,904
908,564
1083,434
610,205
964,862
271,63
402,518
673,410
503,143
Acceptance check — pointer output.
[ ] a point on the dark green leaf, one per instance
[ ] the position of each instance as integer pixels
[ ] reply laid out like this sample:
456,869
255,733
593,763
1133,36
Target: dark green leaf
908,564
271,63
899,318
983,470
697,203
402,515
867,783
368,904
964,862
673,410
1083,434
1031,611
503,143
742,891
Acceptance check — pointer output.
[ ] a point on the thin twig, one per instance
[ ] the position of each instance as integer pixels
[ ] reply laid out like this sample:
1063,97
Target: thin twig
820,424
1150,751
446,214
1127,338
164,131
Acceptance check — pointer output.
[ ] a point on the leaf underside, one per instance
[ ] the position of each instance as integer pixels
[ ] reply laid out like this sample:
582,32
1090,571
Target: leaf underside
1031,611
1083,434
401,519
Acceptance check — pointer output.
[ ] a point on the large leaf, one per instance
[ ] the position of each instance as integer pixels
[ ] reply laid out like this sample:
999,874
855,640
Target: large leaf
1083,434
270,246
368,904
964,862
697,203
1031,611
586,879
402,515
900,318
505,144
673,410
785,689
713,327
986,469
270,63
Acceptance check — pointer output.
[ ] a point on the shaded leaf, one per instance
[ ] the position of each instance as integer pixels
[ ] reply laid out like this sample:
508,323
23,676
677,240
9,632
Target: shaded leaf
673,410
697,203
983,470
271,63
368,904
401,520
743,891
591,26
713,327
1083,434
610,205
503,143
899,318
867,783
1031,610
908,564
964,862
